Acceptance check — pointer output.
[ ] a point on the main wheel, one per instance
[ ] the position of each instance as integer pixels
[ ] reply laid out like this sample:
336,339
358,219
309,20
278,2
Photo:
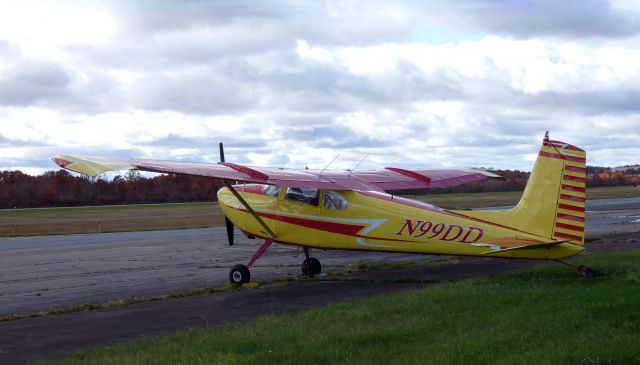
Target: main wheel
239,275
311,267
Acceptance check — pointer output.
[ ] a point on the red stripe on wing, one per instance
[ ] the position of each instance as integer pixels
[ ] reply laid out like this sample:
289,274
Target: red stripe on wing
411,174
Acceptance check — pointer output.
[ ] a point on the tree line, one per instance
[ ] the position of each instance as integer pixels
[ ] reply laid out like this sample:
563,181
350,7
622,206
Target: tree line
61,188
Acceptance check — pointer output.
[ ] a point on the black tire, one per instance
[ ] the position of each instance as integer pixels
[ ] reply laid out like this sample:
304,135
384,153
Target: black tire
239,275
311,267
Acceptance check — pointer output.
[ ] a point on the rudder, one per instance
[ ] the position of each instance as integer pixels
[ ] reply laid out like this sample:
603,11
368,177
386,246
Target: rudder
553,202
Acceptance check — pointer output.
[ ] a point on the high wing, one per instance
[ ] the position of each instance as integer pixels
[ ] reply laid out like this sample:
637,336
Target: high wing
389,178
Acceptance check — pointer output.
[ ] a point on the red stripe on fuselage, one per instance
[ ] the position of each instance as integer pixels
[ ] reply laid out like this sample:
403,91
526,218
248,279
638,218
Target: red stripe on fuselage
340,228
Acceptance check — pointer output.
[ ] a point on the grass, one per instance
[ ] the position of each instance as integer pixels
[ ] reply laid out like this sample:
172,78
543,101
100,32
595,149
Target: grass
118,218
115,218
545,315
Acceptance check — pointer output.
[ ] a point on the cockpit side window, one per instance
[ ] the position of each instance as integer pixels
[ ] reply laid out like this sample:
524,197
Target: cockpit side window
272,190
303,195
335,200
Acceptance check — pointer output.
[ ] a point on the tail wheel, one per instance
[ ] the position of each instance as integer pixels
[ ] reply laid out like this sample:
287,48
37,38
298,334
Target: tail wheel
311,267
239,275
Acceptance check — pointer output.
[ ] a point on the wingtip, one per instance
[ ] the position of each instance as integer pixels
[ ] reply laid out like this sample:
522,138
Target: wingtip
61,161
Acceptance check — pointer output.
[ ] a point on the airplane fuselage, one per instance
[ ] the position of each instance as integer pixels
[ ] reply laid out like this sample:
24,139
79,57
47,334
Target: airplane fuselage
352,220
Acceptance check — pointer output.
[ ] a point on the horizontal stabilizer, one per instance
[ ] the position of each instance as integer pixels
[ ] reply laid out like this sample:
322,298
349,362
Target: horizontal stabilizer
526,247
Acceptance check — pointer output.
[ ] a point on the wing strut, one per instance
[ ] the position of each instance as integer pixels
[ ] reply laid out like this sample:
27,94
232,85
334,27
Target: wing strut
251,211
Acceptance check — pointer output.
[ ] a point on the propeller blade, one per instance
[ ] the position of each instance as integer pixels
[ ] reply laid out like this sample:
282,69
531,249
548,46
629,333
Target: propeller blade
228,223
229,230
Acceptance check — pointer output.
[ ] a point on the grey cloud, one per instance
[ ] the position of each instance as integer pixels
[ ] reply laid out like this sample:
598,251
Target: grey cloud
31,82
528,18
158,34
165,15
598,102
331,136
10,142
232,143
200,93
330,22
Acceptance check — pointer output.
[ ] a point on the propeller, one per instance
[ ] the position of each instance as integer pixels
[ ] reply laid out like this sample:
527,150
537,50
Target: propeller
229,230
227,221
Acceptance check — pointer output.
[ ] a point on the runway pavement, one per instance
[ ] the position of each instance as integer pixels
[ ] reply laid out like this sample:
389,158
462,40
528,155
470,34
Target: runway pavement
40,273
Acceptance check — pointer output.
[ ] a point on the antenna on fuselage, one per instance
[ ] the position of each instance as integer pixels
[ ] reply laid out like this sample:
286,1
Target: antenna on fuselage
358,164
329,164
221,152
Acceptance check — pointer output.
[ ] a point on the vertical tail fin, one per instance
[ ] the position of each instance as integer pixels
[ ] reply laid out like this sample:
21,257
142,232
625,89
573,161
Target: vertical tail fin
553,202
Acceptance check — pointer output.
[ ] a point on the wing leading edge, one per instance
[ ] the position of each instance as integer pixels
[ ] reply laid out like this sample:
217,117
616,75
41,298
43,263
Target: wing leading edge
389,178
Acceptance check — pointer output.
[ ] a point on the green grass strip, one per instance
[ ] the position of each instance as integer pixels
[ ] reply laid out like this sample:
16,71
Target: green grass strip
545,315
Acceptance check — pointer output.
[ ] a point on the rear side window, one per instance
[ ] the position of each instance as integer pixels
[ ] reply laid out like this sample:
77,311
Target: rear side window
334,200
272,190
303,195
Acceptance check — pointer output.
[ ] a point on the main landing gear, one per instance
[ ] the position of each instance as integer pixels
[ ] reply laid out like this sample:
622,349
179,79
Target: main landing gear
240,274
311,265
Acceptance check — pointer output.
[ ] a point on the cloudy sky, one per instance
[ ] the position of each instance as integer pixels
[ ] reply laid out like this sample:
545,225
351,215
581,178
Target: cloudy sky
409,84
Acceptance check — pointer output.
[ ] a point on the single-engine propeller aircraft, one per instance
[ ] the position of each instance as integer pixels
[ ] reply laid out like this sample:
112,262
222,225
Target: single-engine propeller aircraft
349,210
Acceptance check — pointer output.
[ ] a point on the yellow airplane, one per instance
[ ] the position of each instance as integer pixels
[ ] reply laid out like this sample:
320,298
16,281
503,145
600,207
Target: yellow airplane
349,210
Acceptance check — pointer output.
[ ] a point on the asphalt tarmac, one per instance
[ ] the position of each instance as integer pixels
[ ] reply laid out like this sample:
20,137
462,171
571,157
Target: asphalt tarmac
40,273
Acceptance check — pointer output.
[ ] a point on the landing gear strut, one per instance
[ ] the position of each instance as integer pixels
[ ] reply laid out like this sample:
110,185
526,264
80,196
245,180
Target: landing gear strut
310,266
240,274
